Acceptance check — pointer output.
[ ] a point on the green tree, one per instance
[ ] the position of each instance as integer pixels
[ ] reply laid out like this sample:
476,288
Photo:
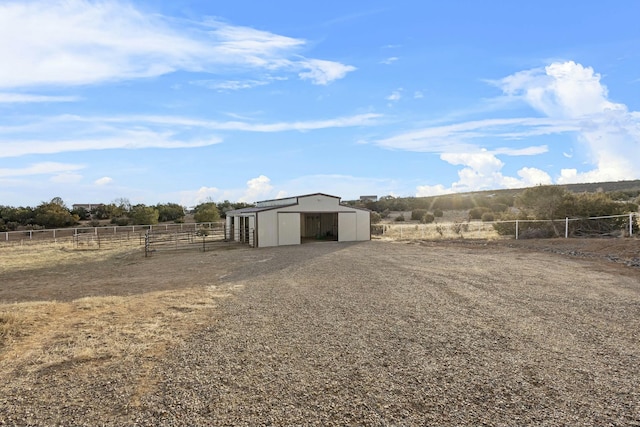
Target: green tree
170,212
54,214
144,215
81,212
206,212
545,201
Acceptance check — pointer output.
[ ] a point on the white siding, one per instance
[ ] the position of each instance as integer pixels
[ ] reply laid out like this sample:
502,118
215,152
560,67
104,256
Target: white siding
252,231
227,229
288,228
267,229
363,225
236,228
347,226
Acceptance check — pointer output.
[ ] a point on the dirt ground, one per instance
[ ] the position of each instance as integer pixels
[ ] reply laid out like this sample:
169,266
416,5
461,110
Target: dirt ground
504,332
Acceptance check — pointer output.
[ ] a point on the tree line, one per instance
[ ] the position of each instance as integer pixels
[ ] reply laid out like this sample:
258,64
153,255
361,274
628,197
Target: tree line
56,214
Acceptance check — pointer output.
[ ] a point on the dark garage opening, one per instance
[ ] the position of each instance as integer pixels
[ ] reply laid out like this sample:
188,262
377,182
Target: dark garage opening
319,226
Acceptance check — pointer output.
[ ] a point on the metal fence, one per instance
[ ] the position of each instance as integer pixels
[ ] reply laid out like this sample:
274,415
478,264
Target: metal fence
205,238
97,236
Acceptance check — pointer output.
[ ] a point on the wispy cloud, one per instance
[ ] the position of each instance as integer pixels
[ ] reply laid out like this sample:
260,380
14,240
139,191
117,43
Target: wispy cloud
322,72
395,95
460,137
73,42
390,60
23,98
139,132
130,139
105,180
43,168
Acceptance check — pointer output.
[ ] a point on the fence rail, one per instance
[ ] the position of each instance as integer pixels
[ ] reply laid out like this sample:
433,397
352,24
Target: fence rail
203,239
26,236
620,225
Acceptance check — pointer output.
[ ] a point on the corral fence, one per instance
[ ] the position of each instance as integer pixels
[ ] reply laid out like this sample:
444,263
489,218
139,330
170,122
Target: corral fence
98,237
602,226
203,238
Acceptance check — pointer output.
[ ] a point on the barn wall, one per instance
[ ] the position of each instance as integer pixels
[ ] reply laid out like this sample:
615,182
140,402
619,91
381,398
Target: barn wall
363,225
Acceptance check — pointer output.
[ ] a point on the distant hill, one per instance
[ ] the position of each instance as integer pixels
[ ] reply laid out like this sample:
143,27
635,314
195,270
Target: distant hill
627,191
604,186
591,187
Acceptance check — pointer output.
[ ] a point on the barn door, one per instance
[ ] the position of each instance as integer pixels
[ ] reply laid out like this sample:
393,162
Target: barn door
288,228
347,226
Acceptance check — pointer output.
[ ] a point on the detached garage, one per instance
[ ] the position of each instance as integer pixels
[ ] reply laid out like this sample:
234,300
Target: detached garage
296,220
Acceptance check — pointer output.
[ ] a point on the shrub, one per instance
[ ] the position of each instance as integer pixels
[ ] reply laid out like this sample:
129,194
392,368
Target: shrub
120,221
375,217
428,218
499,207
459,228
400,218
488,217
476,213
418,214
438,213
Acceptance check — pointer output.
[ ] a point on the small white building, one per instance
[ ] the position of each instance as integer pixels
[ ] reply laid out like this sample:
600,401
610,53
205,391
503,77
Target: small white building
294,220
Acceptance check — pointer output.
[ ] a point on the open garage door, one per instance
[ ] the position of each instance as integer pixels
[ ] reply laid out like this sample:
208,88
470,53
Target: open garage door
319,226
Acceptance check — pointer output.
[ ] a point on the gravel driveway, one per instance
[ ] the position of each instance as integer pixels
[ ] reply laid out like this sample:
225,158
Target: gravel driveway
381,333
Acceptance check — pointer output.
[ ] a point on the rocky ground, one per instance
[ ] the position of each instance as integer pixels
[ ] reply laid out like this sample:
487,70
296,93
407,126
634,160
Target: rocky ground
543,332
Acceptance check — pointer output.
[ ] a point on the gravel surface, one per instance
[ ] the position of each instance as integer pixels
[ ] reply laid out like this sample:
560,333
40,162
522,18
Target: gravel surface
377,333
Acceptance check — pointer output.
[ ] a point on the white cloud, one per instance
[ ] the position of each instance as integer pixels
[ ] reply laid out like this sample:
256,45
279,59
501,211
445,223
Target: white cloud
482,171
105,180
76,42
126,139
395,95
572,99
43,168
66,178
460,137
230,84
23,98
608,132
432,190
322,72
561,90
418,95
138,132
389,60
257,188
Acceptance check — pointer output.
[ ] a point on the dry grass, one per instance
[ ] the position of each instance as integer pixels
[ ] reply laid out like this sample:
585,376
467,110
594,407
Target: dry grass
439,231
92,334
37,335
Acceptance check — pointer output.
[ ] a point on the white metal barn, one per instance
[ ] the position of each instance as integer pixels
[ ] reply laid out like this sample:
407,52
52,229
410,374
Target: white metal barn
295,220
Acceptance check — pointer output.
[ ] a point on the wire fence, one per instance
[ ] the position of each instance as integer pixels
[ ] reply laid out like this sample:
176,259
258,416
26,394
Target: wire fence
602,226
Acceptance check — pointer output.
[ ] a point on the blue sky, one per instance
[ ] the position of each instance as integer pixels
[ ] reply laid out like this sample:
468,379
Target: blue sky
190,101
